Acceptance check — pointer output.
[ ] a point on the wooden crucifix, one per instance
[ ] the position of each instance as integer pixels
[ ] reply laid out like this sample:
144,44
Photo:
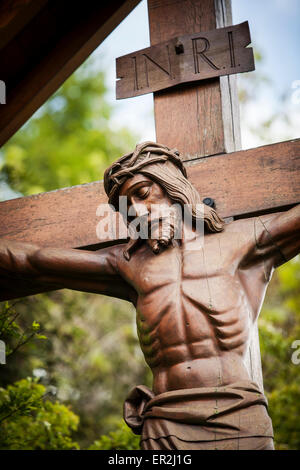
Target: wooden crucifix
196,309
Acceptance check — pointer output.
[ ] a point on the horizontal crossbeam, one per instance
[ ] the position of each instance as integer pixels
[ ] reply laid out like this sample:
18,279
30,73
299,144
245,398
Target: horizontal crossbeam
242,184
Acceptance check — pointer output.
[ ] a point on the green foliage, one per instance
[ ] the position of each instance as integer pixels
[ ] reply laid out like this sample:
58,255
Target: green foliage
12,333
284,410
29,421
68,141
121,439
279,327
91,357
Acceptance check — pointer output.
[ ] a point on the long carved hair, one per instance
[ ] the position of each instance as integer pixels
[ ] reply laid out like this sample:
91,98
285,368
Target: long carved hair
180,190
162,165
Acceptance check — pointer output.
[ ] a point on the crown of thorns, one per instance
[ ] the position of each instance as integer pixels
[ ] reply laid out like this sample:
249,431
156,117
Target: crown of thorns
132,163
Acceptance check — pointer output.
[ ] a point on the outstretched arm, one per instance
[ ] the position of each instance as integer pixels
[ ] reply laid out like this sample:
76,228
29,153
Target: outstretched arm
55,267
278,237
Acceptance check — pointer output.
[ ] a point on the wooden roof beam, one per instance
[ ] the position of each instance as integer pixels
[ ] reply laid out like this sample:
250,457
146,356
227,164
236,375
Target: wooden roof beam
46,50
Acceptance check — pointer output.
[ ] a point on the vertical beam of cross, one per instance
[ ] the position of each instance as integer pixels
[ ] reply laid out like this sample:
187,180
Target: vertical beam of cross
199,119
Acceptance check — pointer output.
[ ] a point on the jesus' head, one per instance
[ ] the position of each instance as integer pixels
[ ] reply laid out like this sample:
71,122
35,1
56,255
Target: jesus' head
154,175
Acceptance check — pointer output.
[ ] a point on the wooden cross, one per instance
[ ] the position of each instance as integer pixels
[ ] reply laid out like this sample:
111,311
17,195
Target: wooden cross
201,120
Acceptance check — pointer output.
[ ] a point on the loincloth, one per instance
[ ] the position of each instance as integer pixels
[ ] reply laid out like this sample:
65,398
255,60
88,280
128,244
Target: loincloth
235,411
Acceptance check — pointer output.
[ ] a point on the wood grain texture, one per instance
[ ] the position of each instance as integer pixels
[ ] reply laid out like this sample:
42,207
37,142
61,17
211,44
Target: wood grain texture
43,54
200,119
66,217
250,181
184,59
241,183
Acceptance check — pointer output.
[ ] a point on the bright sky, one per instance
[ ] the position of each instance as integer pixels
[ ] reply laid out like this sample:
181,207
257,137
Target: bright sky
275,31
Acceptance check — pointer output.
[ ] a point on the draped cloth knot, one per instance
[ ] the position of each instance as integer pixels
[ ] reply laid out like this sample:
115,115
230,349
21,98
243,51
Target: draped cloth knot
134,407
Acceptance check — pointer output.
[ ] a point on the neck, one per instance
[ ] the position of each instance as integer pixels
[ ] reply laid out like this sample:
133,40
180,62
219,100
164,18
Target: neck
192,235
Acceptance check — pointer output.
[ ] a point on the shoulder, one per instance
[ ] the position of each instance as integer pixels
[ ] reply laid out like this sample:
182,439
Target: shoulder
243,237
113,251
241,231
250,228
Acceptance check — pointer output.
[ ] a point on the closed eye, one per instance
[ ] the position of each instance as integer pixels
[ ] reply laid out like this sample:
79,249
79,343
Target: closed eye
142,193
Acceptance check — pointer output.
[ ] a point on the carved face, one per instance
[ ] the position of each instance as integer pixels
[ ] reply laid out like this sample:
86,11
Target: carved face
148,201
160,178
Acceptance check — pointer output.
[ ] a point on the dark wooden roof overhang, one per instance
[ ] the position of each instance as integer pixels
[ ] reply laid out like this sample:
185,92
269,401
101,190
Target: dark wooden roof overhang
42,42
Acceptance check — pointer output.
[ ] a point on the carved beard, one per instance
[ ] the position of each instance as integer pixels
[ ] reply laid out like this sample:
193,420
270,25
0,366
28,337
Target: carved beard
161,233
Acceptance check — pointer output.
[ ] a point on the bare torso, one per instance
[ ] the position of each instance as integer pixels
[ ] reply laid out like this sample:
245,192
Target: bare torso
196,308
196,305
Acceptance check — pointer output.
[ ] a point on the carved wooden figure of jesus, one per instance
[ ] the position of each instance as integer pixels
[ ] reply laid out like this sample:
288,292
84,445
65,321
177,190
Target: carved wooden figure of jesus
196,303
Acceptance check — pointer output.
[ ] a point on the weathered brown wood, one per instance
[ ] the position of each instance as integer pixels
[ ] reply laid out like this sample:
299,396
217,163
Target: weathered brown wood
184,59
14,15
44,52
245,182
206,113
250,181
66,217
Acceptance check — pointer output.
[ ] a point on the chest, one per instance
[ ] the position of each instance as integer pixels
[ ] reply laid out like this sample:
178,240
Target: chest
214,261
